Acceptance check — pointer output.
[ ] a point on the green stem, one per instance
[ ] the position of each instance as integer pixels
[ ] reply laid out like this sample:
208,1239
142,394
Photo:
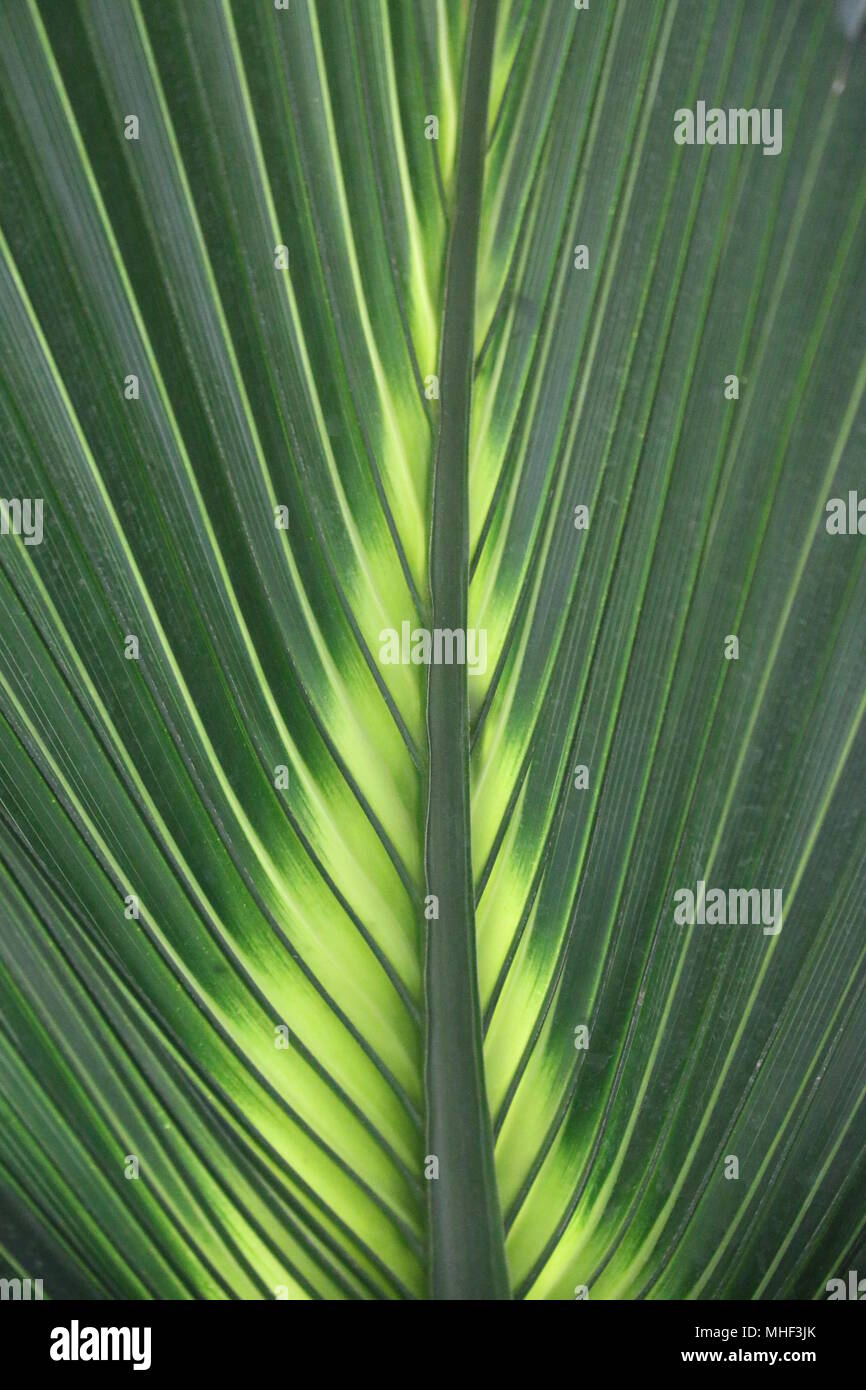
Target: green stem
466,1236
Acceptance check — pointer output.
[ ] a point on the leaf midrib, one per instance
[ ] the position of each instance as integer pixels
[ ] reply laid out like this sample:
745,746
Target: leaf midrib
467,1249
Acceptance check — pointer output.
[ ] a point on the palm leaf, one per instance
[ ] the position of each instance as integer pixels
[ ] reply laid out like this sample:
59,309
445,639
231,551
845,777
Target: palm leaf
372,384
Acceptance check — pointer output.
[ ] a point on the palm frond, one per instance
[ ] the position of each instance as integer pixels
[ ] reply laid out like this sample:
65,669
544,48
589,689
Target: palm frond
324,975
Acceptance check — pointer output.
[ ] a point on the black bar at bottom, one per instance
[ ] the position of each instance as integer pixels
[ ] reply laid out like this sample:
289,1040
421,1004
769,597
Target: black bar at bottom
226,1338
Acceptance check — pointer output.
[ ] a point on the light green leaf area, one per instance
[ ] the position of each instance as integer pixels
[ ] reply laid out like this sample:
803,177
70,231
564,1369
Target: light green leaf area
375,383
